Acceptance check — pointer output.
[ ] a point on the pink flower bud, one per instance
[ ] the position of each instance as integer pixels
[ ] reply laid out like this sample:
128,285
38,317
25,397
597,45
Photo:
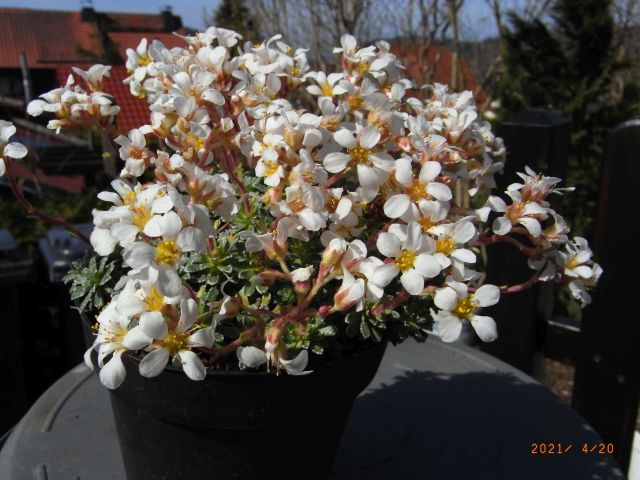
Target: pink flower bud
334,252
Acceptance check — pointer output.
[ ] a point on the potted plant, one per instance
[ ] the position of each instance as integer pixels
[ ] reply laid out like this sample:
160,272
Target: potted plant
272,228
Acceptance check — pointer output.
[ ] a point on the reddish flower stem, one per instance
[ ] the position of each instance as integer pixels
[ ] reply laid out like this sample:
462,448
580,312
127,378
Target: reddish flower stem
229,163
33,210
528,251
535,278
392,304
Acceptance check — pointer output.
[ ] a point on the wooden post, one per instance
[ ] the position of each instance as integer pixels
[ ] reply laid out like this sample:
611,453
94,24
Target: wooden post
607,379
540,139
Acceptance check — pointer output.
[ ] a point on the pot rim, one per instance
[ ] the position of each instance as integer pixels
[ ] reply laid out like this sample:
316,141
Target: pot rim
253,372
248,371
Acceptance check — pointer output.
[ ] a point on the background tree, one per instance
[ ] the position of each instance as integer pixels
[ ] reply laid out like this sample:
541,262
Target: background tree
234,15
571,64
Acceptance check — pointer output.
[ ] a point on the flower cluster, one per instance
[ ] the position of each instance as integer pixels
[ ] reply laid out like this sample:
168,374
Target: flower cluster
264,203
74,106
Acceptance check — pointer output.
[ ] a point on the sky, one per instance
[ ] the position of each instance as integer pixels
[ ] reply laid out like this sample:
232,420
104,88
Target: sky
478,23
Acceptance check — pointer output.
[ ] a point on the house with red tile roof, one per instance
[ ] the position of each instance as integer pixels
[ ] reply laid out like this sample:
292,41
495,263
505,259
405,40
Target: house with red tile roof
50,42
435,64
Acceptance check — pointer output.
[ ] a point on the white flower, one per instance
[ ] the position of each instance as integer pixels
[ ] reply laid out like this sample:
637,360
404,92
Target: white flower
93,76
416,192
576,261
527,214
307,203
196,84
144,300
326,84
268,152
451,240
162,258
412,253
580,287
112,339
350,292
372,164
132,210
457,305
177,343
368,268
7,148
134,152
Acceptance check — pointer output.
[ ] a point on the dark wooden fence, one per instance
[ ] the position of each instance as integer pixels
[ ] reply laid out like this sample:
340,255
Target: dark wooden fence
605,345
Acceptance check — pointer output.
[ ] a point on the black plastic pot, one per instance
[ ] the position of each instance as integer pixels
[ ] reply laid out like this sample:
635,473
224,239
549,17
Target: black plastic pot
238,424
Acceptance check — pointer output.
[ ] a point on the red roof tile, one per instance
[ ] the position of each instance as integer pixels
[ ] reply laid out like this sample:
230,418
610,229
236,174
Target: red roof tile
46,37
124,40
51,37
436,66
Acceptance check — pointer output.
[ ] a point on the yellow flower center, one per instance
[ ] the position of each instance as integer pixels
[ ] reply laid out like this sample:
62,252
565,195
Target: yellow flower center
327,91
331,204
196,142
405,260
296,204
572,263
445,245
144,60
176,341
360,155
355,102
425,224
129,198
270,168
141,215
167,252
294,72
465,307
362,67
417,191
154,301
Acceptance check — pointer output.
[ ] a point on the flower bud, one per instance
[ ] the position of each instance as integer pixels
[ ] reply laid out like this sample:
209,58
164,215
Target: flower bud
302,279
293,138
334,252
272,196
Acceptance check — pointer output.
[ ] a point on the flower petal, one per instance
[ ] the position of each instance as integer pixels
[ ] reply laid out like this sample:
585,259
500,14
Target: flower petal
15,150
397,205
252,357
369,136
439,191
501,226
336,162
297,365
449,328
427,265
153,325
383,274
446,298
202,338
192,365
412,281
113,373
487,295
485,327
154,362
345,138
136,339
388,244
